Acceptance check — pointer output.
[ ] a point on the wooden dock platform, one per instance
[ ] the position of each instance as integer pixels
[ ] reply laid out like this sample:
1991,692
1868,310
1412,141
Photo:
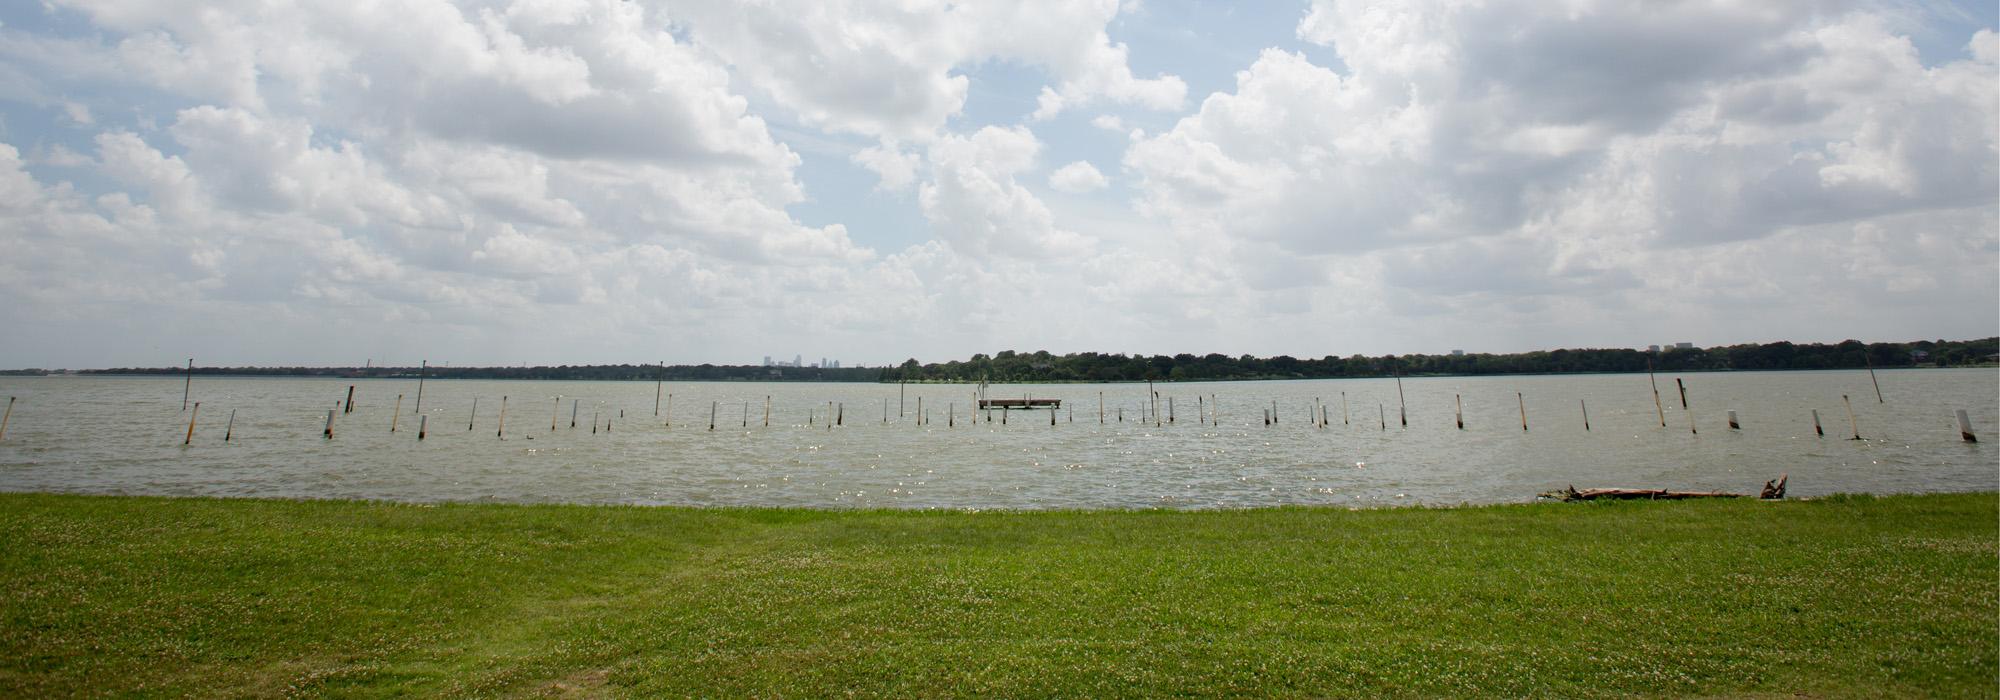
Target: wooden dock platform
1005,404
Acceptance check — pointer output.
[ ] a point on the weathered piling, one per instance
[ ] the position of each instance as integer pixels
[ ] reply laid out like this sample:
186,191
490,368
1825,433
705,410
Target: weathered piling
951,415
329,423
1684,392
502,432
746,414
667,419
1274,413
920,411
1458,410
767,410
555,413
659,385
1657,408
191,417
1964,427
5,416
574,406
228,430
1871,374
902,386
1402,406
422,370
1524,410
1586,414
1052,416
474,416
1267,415
1121,414
349,407
396,414
1100,408
1733,425
1069,413
1850,417
840,415
595,413
1343,409
423,426
187,387
1821,432
1170,409
1382,415
711,415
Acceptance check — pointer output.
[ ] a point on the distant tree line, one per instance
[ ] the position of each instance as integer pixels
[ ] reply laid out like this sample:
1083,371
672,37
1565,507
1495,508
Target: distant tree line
1011,366
1089,366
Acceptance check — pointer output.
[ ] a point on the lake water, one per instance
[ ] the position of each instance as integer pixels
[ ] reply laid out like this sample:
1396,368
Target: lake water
123,435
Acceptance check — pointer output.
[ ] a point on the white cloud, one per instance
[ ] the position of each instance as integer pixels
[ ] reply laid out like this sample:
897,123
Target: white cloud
1078,177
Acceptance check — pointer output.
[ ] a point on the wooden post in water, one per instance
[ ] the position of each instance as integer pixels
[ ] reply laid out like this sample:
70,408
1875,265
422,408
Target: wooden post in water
746,414
711,416
5,416
659,385
1964,427
1458,410
1121,414
191,417
1816,429
1343,409
329,424
1382,415
885,410
350,400
1586,414
920,410
422,370
1733,425
767,410
840,415
397,414
555,413
474,416
1656,393
502,432
1524,410
1691,427
596,412
1850,417
187,387
951,415
1402,406
228,431
1274,412
423,426
1200,410
1052,416
667,421
1871,374
902,385
1170,409
1684,392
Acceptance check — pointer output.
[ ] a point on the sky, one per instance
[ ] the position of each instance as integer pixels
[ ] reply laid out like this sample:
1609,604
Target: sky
516,182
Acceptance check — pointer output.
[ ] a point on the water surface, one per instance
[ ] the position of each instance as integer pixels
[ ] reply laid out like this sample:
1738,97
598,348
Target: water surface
123,435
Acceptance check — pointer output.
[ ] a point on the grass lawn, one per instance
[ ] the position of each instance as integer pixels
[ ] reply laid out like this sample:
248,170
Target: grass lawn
1862,597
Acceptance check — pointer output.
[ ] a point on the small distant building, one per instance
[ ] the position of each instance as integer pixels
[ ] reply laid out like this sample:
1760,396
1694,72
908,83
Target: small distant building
767,360
1458,353
1652,348
1683,346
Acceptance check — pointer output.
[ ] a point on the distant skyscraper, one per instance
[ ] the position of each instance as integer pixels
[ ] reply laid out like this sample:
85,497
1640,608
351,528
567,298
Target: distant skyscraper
767,360
798,360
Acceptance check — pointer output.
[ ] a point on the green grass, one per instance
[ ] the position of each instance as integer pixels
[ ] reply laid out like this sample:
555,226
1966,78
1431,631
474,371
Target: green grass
1859,596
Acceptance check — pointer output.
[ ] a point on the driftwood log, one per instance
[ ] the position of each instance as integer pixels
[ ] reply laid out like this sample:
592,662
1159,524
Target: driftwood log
1773,490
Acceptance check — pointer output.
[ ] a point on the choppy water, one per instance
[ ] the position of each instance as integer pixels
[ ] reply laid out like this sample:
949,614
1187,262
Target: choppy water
123,435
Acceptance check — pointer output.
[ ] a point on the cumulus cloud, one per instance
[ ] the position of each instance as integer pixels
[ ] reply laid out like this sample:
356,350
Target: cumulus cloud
493,177
1079,176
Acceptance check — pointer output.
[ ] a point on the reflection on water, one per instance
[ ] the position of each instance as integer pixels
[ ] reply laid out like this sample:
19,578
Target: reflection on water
123,435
